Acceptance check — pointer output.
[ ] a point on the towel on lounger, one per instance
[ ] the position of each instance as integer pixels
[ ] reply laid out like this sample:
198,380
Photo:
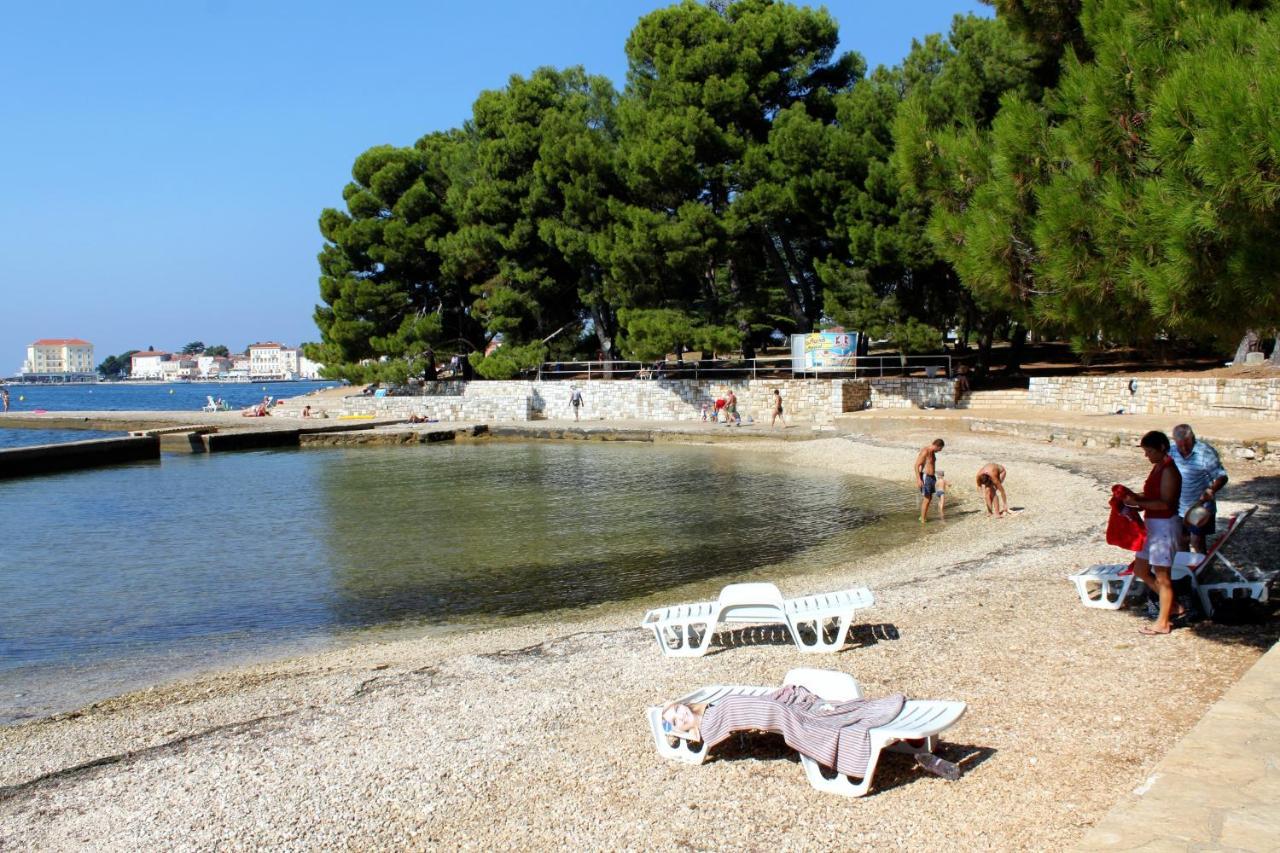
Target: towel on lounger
833,734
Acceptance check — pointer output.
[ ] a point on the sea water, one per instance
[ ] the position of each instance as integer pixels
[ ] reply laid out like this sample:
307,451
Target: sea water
132,397
116,578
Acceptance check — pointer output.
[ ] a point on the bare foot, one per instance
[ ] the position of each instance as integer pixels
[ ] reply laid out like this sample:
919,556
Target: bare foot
1154,630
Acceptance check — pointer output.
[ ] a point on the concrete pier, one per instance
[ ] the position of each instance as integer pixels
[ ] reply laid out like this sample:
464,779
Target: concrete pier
68,456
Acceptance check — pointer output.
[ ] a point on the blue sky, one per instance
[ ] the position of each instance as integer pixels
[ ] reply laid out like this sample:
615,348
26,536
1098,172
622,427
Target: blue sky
164,163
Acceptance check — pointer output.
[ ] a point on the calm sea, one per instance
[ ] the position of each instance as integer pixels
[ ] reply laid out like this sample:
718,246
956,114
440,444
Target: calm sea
117,578
124,396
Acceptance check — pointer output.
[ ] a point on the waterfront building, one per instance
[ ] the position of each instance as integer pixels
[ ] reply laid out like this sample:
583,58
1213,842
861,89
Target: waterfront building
178,367
59,360
271,360
147,365
213,367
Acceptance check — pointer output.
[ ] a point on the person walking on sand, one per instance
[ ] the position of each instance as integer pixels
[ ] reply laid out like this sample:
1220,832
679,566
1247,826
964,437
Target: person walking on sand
1159,503
925,472
575,400
991,487
777,409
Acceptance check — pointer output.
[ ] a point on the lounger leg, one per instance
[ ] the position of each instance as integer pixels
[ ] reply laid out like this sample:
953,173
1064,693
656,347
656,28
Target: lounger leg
676,638
681,750
1104,599
840,783
820,643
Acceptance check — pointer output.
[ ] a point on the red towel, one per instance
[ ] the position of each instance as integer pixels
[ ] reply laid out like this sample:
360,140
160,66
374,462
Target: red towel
1124,527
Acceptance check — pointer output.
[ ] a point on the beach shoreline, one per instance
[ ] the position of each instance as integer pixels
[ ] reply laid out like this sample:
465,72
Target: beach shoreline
534,734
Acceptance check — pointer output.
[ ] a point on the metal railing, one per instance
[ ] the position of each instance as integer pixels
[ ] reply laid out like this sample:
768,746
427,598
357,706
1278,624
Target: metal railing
861,367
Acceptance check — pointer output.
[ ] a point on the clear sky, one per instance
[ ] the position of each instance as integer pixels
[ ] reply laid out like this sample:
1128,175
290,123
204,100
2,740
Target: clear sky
164,163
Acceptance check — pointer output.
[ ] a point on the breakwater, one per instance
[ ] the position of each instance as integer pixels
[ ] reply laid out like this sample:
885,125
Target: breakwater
67,456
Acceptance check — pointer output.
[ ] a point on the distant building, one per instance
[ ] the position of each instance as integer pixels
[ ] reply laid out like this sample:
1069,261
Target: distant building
263,361
148,365
59,360
179,367
271,360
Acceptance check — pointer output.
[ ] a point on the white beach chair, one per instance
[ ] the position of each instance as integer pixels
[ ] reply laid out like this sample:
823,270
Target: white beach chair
913,731
685,630
1107,586
210,405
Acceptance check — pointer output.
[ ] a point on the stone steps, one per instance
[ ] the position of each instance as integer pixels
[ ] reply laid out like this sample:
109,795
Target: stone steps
1011,398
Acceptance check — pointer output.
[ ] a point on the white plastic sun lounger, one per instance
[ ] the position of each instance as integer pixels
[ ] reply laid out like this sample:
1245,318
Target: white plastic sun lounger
1106,586
913,731
685,630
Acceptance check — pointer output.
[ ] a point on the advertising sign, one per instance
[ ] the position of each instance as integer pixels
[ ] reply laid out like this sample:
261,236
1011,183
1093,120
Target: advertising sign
820,352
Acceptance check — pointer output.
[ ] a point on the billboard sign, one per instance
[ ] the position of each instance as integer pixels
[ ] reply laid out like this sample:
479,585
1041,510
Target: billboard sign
820,352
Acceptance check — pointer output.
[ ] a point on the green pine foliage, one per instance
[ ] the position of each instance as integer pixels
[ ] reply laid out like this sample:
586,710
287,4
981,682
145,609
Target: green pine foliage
1102,170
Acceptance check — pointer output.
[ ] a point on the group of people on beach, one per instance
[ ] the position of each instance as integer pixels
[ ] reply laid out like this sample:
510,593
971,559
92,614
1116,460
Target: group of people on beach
1178,501
932,483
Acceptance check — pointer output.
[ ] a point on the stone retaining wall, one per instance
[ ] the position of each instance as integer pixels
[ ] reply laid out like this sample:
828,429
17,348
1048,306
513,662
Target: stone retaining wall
805,401
913,393
1256,399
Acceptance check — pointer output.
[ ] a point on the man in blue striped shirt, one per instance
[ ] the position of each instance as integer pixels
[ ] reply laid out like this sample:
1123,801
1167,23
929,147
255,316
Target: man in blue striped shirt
1202,478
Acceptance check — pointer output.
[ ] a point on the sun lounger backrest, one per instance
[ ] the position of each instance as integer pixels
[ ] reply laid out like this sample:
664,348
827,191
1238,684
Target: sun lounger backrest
829,684
737,594
1235,523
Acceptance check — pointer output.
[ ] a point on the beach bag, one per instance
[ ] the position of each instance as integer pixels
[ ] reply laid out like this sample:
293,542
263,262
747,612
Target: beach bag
1124,528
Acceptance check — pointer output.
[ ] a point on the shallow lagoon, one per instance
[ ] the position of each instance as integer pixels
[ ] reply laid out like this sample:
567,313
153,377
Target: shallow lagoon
113,579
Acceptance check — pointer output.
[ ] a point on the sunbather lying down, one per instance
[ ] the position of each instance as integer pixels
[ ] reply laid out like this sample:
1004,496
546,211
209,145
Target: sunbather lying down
835,734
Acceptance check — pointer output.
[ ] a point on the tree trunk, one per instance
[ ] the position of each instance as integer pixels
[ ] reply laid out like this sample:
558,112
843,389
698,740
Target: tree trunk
807,279
1275,351
735,287
604,334
986,333
1017,343
1249,343
795,300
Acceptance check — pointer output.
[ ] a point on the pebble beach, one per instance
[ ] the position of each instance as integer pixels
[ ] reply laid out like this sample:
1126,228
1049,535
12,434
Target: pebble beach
534,736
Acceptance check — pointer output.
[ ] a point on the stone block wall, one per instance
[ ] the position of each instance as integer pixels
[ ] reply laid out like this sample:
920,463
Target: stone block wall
1255,399
855,394
805,401
901,393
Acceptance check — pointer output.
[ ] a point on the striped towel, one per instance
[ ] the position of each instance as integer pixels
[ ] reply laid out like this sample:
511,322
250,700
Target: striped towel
834,735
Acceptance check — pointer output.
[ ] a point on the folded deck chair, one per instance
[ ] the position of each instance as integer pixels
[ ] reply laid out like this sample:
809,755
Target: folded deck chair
685,630
913,731
1106,586
209,406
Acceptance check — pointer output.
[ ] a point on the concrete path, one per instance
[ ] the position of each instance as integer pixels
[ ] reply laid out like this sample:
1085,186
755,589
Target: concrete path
1218,788
1235,438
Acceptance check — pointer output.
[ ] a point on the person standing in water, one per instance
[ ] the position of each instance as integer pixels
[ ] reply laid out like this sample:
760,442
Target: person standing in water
925,473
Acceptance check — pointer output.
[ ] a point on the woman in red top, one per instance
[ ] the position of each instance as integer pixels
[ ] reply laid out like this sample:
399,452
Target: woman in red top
1159,502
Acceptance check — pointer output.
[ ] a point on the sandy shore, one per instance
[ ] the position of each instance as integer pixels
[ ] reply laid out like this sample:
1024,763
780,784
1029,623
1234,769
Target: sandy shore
534,736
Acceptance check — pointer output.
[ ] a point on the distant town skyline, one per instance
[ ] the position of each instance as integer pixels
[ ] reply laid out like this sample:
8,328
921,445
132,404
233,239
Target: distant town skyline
100,354
167,163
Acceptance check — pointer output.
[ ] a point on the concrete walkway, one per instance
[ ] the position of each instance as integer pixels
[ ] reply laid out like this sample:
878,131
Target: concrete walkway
1219,787
1235,438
